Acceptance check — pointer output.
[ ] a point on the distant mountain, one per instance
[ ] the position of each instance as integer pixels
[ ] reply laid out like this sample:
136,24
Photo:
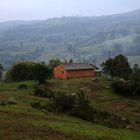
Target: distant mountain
80,38
9,24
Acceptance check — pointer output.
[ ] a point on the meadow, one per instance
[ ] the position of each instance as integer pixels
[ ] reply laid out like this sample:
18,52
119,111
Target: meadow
21,121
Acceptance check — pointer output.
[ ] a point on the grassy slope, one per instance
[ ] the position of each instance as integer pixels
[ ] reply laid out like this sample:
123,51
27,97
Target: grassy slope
23,122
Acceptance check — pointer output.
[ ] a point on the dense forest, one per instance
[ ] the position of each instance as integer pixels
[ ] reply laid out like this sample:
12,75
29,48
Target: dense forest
84,39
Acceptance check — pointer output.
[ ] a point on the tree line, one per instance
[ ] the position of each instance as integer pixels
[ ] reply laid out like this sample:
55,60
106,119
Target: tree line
127,79
29,70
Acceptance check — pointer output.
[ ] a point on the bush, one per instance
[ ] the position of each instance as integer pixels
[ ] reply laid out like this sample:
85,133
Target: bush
83,112
28,71
45,107
78,105
64,102
82,107
21,71
36,104
43,93
136,75
126,88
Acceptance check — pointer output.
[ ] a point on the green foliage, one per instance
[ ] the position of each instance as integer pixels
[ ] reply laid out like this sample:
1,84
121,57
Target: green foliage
36,104
108,66
136,73
22,71
39,92
71,61
1,66
118,66
83,109
40,72
126,88
8,76
64,102
54,62
129,87
1,69
79,105
35,120
43,93
121,67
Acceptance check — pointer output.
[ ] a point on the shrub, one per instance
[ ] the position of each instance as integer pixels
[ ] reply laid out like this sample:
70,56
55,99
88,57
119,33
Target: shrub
78,105
83,112
136,75
82,108
64,102
28,71
21,71
36,104
126,87
43,93
2,102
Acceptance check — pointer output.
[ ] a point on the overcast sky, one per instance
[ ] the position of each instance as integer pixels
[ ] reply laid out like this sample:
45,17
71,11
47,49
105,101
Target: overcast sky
43,9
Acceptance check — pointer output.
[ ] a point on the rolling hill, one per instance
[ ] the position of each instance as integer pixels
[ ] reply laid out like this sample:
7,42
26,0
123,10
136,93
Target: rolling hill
81,38
21,121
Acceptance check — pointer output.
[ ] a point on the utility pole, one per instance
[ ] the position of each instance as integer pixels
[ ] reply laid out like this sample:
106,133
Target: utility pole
109,54
109,73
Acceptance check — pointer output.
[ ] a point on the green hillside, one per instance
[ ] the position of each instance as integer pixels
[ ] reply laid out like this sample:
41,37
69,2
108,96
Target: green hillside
80,38
21,121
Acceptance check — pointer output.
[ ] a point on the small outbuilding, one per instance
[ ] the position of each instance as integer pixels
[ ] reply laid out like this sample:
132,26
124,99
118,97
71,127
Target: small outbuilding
74,70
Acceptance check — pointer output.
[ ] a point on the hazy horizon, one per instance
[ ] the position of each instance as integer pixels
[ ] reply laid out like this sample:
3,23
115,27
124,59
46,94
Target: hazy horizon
44,9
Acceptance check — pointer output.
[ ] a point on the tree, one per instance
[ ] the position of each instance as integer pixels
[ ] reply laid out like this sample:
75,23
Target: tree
40,72
126,88
1,69
118,67
21,71
53,63
136,73
28,71
108,66
71,61
64,102
121,67
135,68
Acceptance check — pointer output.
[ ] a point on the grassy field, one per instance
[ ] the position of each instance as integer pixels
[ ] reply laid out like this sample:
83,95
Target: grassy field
21,121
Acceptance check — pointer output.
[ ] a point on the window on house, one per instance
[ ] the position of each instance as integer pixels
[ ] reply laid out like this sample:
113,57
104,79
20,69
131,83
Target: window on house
62,72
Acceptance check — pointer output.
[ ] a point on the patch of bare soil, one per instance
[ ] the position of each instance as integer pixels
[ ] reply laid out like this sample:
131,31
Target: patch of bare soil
26,116
15,131
12,131
119,106
3,98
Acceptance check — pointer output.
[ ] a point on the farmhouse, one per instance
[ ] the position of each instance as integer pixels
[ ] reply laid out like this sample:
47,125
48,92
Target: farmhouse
73,70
